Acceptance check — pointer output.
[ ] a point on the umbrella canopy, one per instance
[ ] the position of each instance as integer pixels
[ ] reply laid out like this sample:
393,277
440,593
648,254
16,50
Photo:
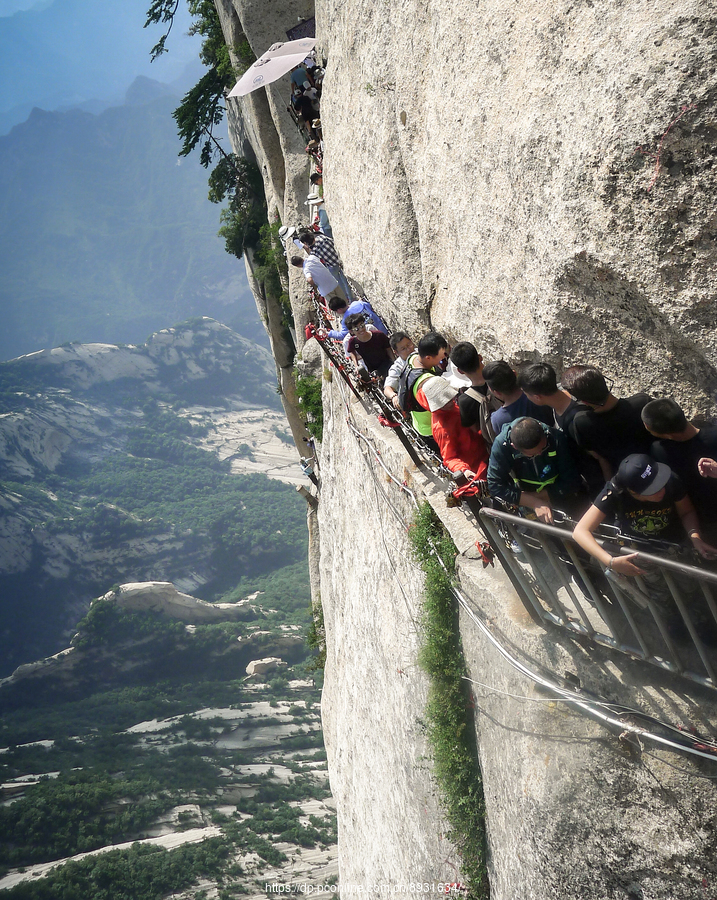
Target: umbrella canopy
288,48
277,61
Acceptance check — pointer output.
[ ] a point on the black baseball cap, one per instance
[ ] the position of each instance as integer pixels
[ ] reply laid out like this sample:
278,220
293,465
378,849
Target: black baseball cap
641,474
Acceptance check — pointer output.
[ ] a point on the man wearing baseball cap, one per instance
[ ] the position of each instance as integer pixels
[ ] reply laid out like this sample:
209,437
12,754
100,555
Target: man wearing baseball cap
646,499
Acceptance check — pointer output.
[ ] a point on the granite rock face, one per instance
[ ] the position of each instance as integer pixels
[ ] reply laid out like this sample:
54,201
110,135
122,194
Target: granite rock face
163,597
261,129
537,179
391,830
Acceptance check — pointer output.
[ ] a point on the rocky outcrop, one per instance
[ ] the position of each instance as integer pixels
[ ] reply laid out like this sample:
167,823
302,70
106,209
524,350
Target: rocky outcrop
82,661
193,351
262,666
163,597
88,364
260,128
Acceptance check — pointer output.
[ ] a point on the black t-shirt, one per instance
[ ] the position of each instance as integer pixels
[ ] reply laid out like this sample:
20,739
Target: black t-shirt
682,458
642,518
614,434
373,351
564,421
470,408
587,465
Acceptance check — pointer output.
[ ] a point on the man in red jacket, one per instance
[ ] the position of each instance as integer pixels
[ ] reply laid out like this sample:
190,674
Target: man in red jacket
462,449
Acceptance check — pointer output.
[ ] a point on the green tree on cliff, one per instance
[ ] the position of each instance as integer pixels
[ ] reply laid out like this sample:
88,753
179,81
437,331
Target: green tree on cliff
202,108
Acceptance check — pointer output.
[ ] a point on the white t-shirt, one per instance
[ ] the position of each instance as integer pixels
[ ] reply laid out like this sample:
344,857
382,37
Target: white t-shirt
323,279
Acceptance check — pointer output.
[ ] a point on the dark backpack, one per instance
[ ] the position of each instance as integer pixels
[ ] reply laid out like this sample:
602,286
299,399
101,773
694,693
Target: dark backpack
406,383
487,404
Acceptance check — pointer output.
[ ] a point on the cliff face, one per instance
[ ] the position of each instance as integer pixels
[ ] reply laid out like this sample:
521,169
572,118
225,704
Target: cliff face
538,180
260,128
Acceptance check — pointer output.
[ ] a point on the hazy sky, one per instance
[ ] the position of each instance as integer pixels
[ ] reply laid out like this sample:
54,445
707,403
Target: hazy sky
55,53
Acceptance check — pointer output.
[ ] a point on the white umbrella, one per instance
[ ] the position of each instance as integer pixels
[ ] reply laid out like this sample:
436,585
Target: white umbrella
287,48
277,61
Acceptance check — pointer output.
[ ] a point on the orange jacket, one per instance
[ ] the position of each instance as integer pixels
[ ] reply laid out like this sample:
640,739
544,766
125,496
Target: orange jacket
461,448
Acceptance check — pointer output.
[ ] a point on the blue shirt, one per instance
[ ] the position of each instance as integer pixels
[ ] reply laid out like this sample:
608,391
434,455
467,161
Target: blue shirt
520,407
358,306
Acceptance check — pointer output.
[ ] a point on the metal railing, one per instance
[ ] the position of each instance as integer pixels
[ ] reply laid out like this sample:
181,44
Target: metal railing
667,618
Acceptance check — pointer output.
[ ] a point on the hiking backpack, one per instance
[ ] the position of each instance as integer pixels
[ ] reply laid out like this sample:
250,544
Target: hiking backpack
406,383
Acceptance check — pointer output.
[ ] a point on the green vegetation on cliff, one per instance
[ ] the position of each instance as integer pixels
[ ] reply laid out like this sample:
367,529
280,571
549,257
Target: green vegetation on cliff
449,723
244,220
308,390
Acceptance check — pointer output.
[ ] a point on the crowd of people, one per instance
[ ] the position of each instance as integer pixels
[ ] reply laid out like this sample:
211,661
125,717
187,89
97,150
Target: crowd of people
543,444
306,80
572,445
536,440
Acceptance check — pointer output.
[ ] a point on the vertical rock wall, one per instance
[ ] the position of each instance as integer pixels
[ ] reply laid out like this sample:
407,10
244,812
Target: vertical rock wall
390,829
539,179
540,176
261,128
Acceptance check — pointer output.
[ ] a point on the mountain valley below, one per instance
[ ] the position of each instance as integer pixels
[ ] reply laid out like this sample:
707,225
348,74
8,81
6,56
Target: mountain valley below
160,713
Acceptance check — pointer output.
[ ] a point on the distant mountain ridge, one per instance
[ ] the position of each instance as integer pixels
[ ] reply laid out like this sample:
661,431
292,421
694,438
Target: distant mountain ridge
64,52
105,234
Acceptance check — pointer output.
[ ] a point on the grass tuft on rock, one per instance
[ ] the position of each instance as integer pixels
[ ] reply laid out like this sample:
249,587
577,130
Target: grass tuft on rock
449,725
308,390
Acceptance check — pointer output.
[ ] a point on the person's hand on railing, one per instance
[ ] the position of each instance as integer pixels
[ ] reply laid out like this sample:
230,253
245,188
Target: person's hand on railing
544,513
703,548
624,565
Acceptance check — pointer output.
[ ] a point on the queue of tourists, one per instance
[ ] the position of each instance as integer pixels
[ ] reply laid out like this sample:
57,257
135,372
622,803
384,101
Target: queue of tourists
535,439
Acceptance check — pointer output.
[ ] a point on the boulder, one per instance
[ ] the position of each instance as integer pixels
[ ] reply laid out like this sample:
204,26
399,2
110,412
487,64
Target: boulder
260,666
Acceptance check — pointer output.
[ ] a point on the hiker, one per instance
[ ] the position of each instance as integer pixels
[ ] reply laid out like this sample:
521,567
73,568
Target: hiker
503,382
539,383
681,446
344,309
305,112
322,246
476,403
462,449
318,276
316,151
321,217
610,429
369,350
300,77
647,500
531,466
403,347
429,359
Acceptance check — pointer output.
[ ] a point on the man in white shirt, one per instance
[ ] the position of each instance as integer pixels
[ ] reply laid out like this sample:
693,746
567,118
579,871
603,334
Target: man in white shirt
318,276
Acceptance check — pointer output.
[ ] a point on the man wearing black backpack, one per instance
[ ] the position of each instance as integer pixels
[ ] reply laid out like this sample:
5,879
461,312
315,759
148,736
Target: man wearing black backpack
475,403
429,359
